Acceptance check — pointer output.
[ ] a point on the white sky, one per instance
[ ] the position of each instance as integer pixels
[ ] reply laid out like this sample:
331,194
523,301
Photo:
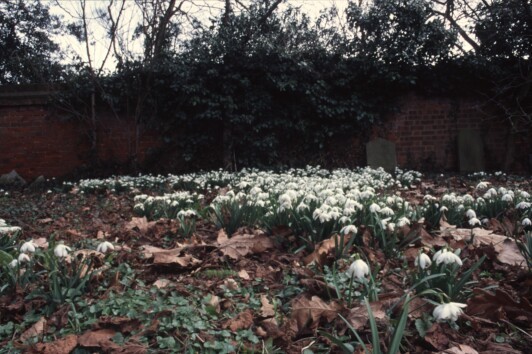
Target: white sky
70,9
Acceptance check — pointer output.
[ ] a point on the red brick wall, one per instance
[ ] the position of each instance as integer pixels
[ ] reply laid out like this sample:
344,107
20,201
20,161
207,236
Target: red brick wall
34,141
425,131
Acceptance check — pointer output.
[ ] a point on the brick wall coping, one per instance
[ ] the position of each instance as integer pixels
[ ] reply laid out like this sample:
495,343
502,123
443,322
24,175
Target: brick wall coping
26,95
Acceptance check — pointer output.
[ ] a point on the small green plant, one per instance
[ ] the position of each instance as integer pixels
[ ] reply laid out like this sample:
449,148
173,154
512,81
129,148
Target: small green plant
451,281
63,281
525,247
187,222
353,285
233,213
376,341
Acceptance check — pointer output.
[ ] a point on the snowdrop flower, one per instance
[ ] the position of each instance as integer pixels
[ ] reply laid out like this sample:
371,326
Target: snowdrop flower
403,221
449,311
358,269
186,213
384,222
374,208
447,257
526,222
386,211
13,263
429,198
349,229
470,213
391,227
28,247
444,209
23,257
344,220
507,197
61,250
474,221
523,205
105,246
482,185
302,207
490,193
423,261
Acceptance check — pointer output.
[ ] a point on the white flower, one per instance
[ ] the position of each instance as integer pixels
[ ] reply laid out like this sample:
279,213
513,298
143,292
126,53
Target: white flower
526,222
386,211
447,257
349,229
105,246
474,221
384,222
482,185
403,221
523,205
27,247
374,208
507,197
444,208
391,227
470,213
449,311
344,220
423,261
61,250
302,207
13,263
358,269
23,257
186,213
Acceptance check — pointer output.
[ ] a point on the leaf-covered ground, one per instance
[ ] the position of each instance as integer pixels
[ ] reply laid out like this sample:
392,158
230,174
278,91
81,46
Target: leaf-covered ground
214,281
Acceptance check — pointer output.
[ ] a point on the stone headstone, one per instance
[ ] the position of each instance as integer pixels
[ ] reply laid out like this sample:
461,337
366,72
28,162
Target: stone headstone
38,185
381,153
470,151
12,179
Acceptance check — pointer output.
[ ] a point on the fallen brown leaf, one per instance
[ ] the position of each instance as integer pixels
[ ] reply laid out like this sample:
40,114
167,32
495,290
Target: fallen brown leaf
161,283
308,312
499,306
172,257
148,251
37,329
41,242
323,250
498,348
507,250
358,316
244,274
96,338
222,237
243,320
120,324
45,221
231,284
214,301
427,239
243,244
436,337
60,346
267,309
140,224
460,349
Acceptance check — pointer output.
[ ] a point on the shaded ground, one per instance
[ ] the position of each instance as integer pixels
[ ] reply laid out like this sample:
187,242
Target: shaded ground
248,292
